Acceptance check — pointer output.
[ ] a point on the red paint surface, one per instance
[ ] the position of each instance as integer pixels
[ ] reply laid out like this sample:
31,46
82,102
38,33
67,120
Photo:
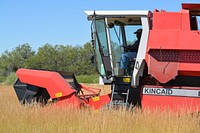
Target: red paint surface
172,32
172,103
52,81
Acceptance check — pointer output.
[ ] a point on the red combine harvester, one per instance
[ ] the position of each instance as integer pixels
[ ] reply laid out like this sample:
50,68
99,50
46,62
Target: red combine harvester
164,72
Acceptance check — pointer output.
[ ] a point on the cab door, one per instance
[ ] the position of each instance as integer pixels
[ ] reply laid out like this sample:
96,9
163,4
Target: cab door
101,47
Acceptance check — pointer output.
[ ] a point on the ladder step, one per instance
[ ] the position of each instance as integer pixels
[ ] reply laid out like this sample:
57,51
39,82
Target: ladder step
119,96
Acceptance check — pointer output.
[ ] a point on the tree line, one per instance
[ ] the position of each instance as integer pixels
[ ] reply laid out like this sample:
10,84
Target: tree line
48,57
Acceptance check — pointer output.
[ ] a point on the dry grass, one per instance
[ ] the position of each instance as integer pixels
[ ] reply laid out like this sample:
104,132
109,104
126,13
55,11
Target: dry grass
15,118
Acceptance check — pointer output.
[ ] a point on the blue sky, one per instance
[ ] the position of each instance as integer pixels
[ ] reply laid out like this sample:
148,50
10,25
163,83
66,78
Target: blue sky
38,22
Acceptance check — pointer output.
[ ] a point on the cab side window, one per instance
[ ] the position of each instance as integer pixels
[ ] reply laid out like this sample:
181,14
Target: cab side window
195,22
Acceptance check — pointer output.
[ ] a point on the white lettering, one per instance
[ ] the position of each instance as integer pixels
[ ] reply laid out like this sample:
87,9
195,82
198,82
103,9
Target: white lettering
171,92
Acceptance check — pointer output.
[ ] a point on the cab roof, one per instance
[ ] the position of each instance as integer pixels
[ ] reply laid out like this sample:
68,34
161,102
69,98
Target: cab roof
118,13
193,8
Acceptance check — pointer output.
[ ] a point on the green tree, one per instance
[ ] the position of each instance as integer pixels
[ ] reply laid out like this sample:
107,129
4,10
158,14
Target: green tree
5,63
45,58
57,58
85,60
17,58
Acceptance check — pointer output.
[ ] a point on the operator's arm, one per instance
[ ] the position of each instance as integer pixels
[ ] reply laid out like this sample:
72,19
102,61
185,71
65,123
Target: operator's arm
134,47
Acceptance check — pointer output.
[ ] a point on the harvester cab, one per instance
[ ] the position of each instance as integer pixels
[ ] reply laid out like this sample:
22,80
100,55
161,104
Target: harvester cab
113,33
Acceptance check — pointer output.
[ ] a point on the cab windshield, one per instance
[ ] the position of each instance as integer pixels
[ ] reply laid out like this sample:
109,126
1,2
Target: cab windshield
117,43
112,35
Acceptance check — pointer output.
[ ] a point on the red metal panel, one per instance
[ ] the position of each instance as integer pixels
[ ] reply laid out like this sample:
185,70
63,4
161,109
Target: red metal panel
174,103
189,69
173,46
163,71
100,101
185,20
161,40
189,40
71,100
166,21
52,81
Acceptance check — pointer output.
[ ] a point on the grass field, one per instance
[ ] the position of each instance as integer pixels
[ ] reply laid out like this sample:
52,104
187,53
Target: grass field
15,118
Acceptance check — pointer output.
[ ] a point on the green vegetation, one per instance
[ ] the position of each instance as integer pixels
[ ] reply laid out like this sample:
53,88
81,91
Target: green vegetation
10,79
88,78
48,57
